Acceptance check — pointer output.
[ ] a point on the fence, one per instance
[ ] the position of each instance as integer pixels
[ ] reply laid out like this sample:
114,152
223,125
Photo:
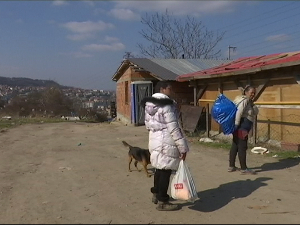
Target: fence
277,127
278,131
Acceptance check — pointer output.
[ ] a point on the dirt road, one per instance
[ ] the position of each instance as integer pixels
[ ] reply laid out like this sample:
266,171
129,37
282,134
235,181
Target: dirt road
77,173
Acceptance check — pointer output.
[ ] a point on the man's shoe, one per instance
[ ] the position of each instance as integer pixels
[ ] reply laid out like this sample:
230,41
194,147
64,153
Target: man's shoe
154,199
167,206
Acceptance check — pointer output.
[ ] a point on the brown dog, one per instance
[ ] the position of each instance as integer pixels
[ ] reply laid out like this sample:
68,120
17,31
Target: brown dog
139,155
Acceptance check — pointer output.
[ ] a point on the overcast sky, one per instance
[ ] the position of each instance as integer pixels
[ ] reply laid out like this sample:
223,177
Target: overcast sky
82,43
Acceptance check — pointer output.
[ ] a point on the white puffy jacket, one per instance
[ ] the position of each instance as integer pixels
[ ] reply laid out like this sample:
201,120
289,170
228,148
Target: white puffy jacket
166,138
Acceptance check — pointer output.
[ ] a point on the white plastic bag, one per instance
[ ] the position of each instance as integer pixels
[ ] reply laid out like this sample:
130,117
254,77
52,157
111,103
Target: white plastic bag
182,185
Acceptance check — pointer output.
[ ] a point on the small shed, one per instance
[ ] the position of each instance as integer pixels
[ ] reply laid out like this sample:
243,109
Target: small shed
136,78
276,78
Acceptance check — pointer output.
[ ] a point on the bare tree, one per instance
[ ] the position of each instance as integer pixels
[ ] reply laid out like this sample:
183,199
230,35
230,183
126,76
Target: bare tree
174,38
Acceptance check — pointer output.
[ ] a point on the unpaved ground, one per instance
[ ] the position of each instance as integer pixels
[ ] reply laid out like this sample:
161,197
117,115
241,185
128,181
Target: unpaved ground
77,173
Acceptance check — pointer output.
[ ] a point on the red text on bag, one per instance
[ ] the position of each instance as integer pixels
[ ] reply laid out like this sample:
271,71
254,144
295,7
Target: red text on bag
178,186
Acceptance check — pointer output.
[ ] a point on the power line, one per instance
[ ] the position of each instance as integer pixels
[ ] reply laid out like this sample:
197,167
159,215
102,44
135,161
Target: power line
267,33
262,26
259,27
265,13
259,43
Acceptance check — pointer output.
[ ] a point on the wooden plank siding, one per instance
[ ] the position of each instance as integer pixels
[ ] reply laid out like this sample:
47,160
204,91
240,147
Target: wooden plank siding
276,88
280,91
183,93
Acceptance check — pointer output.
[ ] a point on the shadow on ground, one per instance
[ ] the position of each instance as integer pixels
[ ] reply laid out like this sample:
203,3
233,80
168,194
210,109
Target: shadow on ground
214,199
281,164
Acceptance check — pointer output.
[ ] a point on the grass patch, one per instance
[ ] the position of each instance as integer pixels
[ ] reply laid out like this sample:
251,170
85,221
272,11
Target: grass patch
14,122
274,152
284,154
221,145
5,124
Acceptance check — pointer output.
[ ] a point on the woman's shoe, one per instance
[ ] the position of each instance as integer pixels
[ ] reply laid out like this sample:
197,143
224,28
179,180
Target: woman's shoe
232,169
167,206
248,171
154,199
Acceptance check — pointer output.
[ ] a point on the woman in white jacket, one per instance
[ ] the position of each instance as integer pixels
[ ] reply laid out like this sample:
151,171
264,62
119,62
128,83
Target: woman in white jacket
167,142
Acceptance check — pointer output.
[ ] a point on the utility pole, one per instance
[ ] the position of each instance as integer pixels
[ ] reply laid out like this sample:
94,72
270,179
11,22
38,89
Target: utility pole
229,48
127,55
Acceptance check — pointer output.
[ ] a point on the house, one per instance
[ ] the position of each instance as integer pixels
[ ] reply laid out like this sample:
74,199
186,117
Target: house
276,78
136,78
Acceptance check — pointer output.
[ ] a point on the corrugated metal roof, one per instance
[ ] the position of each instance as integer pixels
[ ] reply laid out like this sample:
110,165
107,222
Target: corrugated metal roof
154,68
183,66
170,69
246,65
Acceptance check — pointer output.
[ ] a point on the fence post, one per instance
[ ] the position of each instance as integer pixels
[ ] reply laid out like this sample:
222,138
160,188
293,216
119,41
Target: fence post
207,120
255,130
269,129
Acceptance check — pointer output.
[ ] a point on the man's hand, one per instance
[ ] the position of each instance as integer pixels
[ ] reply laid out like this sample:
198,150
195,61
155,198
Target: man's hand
183,156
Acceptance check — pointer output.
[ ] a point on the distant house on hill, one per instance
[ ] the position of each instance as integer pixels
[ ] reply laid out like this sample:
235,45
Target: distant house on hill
276,78
136,78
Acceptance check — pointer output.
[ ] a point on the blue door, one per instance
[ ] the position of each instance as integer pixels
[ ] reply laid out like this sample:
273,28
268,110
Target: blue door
140,90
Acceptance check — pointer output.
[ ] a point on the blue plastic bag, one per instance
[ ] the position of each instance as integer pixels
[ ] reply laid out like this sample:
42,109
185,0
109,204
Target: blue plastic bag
223,112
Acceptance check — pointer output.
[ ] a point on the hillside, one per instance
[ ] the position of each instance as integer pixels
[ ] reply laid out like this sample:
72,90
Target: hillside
26,82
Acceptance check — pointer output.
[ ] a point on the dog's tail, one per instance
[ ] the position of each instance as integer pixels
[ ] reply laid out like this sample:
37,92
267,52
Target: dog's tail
126,144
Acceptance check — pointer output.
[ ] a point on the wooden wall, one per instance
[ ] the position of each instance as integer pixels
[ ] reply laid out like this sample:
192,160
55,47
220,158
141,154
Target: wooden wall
276,91
183,93
280,91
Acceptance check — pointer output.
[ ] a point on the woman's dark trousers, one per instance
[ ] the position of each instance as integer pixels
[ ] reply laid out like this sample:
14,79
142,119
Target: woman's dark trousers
239,147
161,184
